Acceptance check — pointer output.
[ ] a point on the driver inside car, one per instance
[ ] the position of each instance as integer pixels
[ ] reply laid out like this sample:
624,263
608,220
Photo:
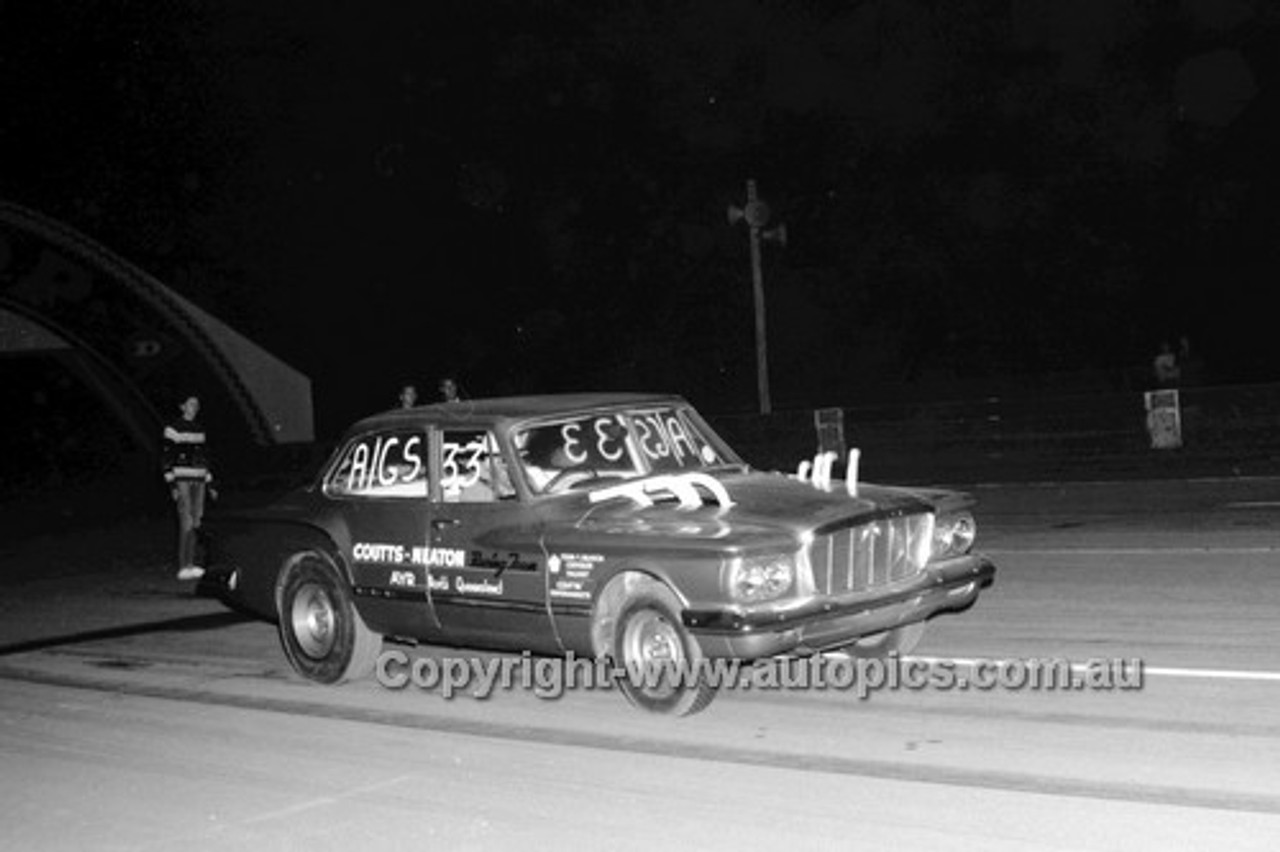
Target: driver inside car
543,457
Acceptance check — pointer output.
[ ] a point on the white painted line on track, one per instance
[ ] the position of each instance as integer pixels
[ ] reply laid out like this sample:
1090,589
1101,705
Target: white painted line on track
1211,674
1087,668
1126,551
1064,483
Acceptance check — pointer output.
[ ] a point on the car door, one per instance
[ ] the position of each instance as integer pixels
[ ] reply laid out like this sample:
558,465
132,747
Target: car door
486,575
381,485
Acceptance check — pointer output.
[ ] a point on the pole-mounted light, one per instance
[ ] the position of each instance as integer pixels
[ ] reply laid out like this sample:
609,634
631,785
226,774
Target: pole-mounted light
756,214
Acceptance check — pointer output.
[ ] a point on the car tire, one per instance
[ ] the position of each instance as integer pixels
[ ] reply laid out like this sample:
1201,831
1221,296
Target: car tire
650,645
323,635
900,641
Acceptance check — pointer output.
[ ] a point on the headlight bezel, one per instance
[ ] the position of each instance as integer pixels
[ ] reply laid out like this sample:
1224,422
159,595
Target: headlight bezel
760,579
954,534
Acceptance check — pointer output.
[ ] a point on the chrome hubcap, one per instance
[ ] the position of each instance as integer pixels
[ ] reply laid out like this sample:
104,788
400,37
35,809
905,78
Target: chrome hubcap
652,644
313,620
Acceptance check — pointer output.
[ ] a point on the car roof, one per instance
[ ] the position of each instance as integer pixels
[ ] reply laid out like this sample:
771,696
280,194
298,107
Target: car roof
492,410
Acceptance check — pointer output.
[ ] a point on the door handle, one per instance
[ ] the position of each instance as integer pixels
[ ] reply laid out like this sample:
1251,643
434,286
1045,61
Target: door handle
444,523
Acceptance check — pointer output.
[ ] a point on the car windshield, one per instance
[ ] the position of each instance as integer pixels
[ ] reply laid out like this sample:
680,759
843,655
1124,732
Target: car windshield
591,449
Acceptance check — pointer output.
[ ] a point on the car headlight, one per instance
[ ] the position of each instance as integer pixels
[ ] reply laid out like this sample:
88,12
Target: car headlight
756,579
953,534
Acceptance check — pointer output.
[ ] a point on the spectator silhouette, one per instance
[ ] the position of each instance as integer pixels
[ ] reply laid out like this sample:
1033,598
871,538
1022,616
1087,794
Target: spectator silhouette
449,389
1165,367
1190,364
187,472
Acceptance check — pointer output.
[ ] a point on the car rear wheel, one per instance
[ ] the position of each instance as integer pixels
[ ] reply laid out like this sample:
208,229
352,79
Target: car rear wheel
323,635
899,640
663,664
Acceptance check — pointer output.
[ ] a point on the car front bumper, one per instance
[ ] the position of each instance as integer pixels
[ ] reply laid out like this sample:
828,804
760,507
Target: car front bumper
832,622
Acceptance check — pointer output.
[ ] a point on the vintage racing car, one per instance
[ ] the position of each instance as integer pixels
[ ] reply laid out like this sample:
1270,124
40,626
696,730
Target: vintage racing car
605,525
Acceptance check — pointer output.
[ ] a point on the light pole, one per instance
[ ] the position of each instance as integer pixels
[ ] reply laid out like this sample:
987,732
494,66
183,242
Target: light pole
756,214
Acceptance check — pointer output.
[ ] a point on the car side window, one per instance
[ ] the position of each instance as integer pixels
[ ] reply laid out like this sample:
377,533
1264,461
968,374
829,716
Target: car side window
390,464
472,468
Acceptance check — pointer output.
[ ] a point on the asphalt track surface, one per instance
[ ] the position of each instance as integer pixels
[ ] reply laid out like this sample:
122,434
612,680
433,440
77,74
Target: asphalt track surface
136,715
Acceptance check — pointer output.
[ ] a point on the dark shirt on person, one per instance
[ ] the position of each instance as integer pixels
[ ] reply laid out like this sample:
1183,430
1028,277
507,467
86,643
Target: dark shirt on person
186,454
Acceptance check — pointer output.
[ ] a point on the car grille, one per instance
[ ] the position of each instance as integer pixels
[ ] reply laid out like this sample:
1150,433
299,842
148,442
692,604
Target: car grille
873,554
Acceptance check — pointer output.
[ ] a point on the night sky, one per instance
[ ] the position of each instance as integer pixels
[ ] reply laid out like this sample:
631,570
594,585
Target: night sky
978,196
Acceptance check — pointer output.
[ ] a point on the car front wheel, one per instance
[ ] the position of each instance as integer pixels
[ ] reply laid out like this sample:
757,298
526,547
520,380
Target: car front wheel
663,666
323,635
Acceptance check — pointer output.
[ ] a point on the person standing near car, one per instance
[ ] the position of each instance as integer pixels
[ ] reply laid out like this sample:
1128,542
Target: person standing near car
449,389
187,472
1165,367
408,396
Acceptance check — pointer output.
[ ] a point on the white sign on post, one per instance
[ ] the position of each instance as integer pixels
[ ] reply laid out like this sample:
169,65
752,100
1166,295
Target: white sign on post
1164,419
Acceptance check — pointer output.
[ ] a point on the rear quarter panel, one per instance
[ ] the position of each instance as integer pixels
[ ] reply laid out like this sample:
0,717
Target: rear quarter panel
256,548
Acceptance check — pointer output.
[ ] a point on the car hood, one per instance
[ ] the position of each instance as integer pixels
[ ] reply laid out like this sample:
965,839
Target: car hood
765,508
